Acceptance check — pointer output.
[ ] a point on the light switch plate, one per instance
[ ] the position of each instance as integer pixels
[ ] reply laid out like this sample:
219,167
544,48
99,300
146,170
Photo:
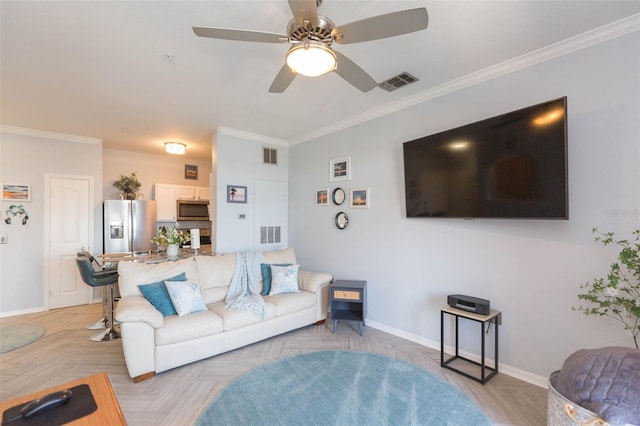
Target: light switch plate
3,239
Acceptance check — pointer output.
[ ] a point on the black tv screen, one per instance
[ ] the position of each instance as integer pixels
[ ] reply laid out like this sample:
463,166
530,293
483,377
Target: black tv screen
510,166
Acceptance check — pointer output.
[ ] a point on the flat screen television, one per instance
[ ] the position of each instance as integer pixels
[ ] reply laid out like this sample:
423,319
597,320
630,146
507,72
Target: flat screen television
510,166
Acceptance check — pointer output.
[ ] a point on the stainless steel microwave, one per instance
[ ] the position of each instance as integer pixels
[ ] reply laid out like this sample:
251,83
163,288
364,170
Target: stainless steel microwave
192,209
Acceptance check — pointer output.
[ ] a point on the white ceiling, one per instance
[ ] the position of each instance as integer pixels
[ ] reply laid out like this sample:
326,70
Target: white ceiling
101,68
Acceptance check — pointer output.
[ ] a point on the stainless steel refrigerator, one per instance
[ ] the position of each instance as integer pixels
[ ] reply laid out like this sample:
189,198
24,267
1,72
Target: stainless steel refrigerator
129,226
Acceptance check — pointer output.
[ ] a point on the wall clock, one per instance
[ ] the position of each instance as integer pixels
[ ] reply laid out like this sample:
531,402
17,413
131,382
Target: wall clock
338,196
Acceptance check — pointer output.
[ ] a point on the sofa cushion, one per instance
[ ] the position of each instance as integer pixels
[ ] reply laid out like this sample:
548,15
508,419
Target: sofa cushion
291,302
233,319
215,271
185,296
158,296
279,256
285,279
266,276
190,327
132,274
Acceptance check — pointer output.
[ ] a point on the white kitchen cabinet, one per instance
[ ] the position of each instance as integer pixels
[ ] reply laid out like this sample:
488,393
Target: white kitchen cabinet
185,192
167,194
201,192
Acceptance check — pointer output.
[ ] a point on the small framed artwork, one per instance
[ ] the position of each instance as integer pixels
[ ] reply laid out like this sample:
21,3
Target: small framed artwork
360,198
322,197
236,194
340,169
190,172
16,192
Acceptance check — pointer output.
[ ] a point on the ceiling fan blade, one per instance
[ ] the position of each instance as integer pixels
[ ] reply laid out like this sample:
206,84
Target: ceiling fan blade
382,26
240,35
353,74
283,80
304,10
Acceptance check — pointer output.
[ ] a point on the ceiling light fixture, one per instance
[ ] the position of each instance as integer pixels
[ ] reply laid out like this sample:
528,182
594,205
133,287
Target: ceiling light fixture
311,58
177,148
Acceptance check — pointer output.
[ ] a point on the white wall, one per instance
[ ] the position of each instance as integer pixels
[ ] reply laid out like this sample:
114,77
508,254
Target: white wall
238,161
149,169
25,157
529,269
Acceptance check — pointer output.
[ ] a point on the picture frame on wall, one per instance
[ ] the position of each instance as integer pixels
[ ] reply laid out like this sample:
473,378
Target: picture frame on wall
322,197
191,171
11,192
340,169
360,198
236,194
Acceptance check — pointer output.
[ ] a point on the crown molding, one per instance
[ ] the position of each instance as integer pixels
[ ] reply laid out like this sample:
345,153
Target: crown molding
48,135
253,136
555,50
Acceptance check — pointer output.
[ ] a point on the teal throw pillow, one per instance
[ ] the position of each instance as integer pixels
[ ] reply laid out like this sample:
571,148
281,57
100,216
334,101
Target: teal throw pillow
186,297
157,295
266,276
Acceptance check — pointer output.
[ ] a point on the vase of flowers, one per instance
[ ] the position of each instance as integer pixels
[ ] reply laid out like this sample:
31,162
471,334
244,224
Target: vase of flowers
128,186
618,295
171,238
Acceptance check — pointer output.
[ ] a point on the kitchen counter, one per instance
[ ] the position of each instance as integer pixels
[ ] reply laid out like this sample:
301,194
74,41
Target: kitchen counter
111,259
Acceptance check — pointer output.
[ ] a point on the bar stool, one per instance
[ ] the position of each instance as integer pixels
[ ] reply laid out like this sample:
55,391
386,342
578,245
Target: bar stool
102,278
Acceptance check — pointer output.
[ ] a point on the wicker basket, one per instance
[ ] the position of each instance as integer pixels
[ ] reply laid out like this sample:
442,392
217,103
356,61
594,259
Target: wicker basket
562,412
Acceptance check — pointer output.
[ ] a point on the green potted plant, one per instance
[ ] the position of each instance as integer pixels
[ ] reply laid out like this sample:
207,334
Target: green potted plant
618,295
128,186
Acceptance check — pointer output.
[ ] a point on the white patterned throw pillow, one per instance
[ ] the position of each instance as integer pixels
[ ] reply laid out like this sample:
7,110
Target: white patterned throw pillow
284,279
185,296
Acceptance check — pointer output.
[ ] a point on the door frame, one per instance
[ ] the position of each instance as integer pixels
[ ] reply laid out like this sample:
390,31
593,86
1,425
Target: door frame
48,177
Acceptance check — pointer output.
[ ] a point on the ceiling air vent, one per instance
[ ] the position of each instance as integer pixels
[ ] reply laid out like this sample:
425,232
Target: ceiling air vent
397,81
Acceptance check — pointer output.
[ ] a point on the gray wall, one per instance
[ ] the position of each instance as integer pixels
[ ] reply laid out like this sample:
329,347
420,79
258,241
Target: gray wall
149,169
238,160
25,159
529,269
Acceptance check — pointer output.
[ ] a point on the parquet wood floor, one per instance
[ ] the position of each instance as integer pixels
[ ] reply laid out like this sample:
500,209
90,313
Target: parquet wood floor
176,397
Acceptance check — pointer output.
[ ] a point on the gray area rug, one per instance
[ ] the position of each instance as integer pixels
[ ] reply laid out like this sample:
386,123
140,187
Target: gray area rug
16,336
341,388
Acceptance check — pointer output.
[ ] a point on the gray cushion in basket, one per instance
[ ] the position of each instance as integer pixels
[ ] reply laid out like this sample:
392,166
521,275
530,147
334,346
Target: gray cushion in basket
605,381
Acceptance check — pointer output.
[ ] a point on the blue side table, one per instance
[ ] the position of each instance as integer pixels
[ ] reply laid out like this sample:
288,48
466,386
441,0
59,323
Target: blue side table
348,301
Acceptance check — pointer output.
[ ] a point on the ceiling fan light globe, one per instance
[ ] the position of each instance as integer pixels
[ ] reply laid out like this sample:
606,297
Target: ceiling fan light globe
176,148
311,59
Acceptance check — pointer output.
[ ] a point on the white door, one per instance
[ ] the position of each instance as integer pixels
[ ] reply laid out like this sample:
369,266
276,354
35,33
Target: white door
69,225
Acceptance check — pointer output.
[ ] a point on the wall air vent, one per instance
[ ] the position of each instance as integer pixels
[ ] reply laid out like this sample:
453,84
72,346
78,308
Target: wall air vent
270,156
397,81
270,235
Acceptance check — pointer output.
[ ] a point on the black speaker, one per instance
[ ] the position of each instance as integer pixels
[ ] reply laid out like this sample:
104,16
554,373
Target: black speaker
469,303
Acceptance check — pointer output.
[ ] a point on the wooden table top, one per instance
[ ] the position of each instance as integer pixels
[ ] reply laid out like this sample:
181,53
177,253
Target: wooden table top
108,412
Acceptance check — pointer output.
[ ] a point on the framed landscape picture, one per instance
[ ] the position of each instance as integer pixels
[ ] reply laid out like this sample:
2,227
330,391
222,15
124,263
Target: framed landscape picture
340,169
191,171
322,197
360,198
16,192
236,194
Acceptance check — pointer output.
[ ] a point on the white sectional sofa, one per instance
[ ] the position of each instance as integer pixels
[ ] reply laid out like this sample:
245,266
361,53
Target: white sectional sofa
153,343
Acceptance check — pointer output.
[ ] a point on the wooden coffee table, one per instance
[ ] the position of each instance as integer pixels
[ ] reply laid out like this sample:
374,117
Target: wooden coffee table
108,412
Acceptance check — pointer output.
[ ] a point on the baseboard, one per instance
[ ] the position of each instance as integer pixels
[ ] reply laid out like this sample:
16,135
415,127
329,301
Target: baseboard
517,373
22,312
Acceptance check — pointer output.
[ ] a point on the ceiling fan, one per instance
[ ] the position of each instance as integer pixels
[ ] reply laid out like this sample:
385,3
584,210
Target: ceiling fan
311,36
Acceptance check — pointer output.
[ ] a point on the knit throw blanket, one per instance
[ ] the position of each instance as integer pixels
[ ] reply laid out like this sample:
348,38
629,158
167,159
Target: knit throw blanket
244,289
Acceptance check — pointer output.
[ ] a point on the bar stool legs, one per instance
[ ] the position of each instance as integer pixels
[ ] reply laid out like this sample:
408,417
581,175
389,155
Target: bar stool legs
101,324
110,332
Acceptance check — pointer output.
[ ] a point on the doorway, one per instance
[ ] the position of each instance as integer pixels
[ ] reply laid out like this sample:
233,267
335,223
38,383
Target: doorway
68,228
